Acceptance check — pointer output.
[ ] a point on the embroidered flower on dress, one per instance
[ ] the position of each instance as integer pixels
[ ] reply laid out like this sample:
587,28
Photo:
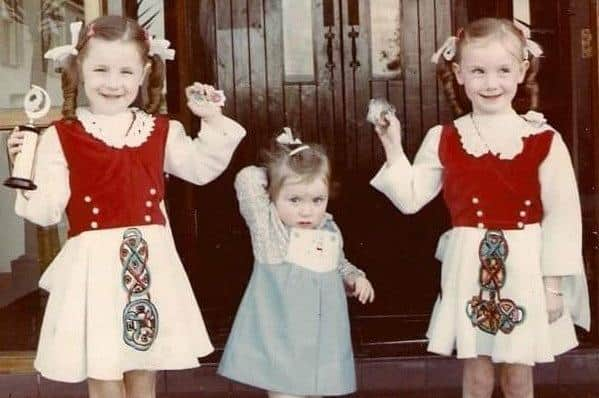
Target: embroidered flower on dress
103,128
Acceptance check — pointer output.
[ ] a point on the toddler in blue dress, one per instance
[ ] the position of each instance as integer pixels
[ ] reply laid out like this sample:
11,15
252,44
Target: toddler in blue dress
291,333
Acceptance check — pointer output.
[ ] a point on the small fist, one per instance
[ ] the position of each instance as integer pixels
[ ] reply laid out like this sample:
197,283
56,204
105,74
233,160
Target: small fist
204,101
390,126
15,143
361,289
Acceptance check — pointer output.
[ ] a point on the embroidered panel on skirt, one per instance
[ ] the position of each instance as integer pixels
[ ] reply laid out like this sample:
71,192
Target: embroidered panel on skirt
140,317
494,313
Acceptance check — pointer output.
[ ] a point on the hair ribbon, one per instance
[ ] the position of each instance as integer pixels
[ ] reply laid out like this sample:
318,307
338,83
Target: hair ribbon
161,48
286,138
533,48
60,53
447,50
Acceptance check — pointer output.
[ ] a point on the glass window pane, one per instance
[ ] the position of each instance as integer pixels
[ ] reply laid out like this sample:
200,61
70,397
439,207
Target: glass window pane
298,40
385,20
522,15
27,30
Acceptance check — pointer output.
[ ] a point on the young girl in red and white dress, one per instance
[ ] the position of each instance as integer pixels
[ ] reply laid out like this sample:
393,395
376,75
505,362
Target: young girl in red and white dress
120,304
513,281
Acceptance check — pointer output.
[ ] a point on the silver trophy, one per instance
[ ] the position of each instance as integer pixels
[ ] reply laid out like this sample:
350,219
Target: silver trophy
36,104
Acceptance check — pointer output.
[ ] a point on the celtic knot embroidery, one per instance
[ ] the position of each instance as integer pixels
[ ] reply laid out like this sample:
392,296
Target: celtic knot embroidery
495,313
140,317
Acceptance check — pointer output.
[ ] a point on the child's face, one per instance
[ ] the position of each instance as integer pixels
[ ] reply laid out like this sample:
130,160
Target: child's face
112,72
302,204
490,75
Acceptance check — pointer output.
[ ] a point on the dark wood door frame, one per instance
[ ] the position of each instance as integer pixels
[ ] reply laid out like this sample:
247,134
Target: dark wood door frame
594,235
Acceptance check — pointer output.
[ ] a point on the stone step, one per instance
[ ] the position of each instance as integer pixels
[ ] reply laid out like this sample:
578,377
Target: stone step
22,280
575,374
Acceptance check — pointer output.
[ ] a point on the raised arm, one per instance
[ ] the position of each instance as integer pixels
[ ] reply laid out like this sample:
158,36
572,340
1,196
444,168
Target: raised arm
45,205
202,159
409,187
254,203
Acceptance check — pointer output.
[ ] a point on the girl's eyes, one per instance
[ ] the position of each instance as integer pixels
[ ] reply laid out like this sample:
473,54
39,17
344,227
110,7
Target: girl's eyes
478,71
297,199
505,70
125,72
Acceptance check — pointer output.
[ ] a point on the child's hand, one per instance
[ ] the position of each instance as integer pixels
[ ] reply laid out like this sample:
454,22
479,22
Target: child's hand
362,290
200,104
390,136
15,143
555,306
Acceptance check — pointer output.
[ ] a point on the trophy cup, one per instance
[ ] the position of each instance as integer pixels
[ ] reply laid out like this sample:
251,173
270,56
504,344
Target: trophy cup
36,104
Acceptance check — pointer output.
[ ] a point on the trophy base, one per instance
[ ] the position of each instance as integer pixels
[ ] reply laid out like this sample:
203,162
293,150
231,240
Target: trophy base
20,183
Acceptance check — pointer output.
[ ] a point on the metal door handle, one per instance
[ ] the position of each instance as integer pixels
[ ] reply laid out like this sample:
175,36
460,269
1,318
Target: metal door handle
353,35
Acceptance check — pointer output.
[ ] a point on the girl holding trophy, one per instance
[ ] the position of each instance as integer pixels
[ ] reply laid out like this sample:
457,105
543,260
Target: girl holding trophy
120,305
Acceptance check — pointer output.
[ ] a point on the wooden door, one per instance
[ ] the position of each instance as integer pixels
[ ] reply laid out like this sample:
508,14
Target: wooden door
314,67
239,45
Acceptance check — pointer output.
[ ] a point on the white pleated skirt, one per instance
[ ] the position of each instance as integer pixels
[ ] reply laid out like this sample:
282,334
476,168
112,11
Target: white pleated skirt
82,330
534,340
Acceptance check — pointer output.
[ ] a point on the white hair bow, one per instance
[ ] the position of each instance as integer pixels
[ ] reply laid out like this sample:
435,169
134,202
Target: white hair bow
60,53
286,137
447,50
161,48
533,48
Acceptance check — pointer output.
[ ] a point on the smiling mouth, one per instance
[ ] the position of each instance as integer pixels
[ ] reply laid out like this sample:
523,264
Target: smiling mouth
487,96
111,96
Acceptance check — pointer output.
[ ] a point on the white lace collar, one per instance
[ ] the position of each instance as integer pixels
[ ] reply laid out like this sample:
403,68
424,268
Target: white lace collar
114,130
499,134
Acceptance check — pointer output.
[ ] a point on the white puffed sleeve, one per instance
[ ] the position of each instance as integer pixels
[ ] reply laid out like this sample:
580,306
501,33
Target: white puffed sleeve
202,159
562,219
562,229
45,205
410,187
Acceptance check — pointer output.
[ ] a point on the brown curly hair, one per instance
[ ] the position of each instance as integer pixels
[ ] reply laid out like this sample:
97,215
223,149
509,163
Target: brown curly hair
111,28
527,96
308,164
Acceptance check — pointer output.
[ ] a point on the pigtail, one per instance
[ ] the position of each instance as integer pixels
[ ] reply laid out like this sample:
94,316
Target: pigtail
70,84
448,81
454,93
527,98
155,85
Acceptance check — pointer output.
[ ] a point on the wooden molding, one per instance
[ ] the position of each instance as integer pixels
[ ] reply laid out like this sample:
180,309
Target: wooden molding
16,362
9,118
